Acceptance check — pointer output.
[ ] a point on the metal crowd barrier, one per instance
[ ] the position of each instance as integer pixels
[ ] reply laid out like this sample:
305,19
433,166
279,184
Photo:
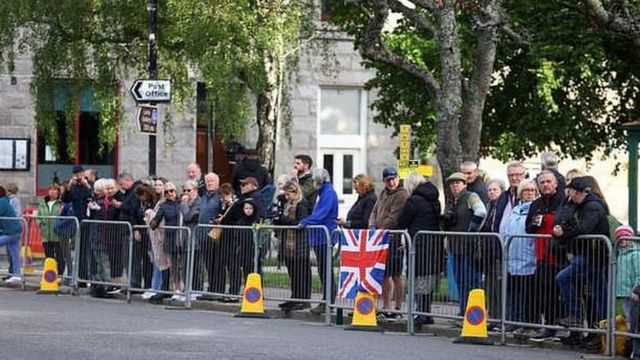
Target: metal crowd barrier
289,273
558,284
447,266
103,255
168,249
398,264
19,244
222,255
626,272
58,235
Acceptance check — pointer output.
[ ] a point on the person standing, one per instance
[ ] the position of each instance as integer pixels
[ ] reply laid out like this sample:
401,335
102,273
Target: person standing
195,173
583,215
422,212
302,171
250,166
474,182
549,256
509,198
294,246
491,252
359,214
10,232
385,216
51,206
325,214
205,249
465,213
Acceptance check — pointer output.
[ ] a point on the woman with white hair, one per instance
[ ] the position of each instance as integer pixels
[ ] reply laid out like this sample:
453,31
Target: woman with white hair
521,258
325,214
422,212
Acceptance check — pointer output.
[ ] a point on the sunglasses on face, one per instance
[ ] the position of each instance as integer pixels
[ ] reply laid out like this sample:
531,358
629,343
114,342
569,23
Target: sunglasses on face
169,191
187,190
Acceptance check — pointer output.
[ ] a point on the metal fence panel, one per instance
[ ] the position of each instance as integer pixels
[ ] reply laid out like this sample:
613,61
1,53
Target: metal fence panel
58,235
397,266
558,284
626,275
102,255
168,251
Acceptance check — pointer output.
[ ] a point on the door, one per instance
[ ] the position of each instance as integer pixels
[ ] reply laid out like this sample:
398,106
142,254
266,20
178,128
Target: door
342,165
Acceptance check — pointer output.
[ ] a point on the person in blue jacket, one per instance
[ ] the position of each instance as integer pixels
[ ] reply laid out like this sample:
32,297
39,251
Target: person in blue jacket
325,213
10,231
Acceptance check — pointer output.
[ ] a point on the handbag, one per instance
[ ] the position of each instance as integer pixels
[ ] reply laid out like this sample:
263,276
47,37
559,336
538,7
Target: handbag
216,233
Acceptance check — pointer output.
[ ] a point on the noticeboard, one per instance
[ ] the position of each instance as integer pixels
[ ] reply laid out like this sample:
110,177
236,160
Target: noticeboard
15,154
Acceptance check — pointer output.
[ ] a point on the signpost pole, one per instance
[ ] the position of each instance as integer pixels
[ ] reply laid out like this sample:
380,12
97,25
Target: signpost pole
152,6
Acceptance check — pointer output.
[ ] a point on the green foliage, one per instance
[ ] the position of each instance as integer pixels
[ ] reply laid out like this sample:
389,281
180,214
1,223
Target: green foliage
93,43
568,88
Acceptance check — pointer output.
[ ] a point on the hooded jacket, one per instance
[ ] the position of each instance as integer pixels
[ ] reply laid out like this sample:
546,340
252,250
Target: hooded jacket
387,209
628,270
324,213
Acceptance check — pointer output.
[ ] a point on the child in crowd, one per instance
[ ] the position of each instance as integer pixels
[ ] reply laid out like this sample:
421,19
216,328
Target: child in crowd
628,281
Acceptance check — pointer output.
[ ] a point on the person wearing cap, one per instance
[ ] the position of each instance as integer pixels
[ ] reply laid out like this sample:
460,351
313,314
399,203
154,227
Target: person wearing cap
385,216
628,278
325,213
464,213
250,166
584,214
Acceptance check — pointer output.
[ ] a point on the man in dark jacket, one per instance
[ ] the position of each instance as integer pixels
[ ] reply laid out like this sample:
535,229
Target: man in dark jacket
250,167
205,250
474,182
302,172
131,212
80,191
584,216
548,257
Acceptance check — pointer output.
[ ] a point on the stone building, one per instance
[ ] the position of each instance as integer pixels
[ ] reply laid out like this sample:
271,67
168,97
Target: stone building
332,122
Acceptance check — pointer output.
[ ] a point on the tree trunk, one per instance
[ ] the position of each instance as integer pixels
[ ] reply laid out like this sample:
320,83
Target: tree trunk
475,93
449,97
267,114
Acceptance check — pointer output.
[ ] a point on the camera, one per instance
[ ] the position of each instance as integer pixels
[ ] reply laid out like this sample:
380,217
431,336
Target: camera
275,212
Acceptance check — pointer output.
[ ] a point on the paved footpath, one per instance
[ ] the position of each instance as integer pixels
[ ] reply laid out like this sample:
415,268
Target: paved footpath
67,327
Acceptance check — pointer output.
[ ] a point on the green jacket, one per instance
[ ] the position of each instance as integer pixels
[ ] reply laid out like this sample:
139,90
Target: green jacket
628,271
46,225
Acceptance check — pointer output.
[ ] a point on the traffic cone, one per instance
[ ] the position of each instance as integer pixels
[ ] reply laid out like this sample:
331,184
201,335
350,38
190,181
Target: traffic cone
252,298
474,327
27,261
49,279
364,313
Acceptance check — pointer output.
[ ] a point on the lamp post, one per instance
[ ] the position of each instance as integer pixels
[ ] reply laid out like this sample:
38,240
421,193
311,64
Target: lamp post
633,138
152,6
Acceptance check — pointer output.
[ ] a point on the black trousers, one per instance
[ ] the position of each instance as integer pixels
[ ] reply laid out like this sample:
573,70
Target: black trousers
53,249
321,256
141,267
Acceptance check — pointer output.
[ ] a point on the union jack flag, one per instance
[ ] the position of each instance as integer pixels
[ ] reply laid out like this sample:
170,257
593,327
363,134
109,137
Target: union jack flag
362,261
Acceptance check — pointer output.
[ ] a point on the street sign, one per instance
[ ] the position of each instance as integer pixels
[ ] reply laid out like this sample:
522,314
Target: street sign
147,119
157,91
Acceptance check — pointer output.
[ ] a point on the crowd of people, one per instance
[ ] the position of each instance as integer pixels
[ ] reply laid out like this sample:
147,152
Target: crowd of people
554,276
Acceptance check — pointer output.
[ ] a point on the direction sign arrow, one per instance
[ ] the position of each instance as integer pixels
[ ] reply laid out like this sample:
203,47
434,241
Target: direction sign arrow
151,91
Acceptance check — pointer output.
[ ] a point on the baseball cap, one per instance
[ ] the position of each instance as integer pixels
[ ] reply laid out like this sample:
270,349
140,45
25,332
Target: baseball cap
389,173
581,183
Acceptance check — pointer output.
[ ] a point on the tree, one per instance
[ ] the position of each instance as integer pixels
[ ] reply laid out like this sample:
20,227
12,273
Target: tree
239,48
444,50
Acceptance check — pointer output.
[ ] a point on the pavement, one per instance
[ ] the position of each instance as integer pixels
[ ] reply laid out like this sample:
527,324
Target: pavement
80,327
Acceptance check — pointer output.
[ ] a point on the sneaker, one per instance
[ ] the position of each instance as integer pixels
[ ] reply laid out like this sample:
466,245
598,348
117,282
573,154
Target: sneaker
13,280
113,290
177,297
573,339
394,316
545,335
319,309
147,295
5,278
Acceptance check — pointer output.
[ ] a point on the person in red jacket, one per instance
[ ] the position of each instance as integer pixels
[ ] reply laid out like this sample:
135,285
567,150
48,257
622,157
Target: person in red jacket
549,260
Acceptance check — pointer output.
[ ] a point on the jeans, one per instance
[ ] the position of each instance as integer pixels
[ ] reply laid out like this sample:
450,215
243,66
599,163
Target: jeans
580,272
467,278
12,242
156,279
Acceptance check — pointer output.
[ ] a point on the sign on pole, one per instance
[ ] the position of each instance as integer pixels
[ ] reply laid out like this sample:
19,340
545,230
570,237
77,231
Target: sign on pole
405,165
147,119
155,91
